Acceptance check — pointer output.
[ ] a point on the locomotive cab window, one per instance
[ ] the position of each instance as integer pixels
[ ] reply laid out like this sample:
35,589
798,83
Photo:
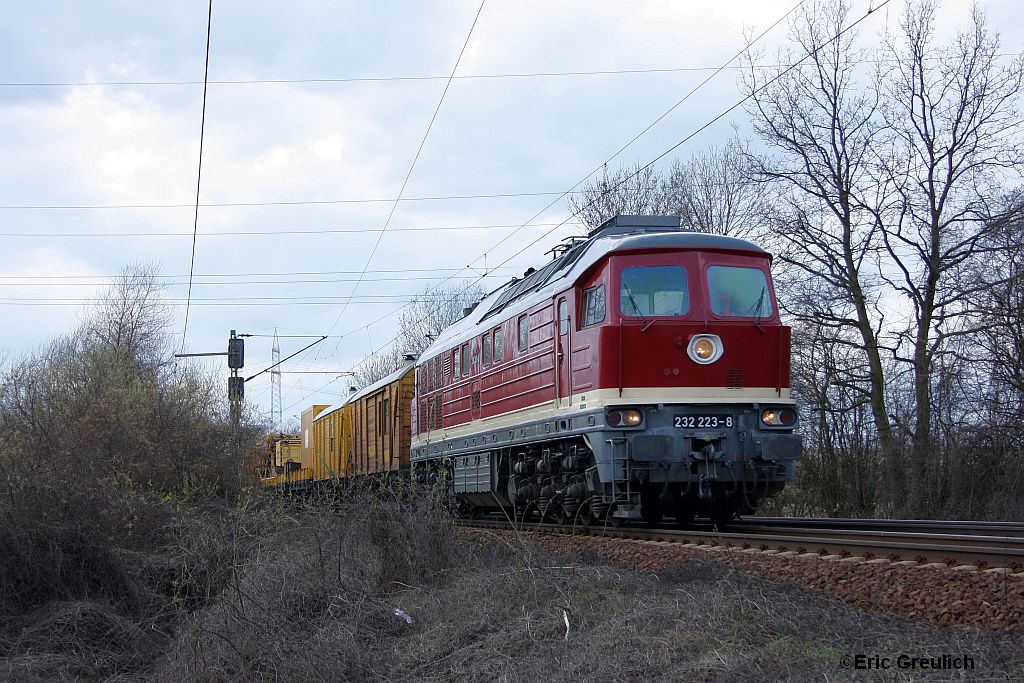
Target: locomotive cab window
593,305
465,360
739,292
499,345
487,350
654,290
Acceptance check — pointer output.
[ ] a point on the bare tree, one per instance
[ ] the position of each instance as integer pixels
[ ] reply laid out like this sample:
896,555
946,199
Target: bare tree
636,190
715,191
426,317
951,119
822,122
887,184
131,318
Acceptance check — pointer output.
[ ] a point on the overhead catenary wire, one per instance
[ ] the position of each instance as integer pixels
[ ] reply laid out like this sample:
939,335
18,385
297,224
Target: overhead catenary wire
398,79
412,166
199,171
256,233
303,202
121,276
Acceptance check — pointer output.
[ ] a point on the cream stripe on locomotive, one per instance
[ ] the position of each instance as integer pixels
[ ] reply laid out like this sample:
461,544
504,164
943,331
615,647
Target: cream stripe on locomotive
600,398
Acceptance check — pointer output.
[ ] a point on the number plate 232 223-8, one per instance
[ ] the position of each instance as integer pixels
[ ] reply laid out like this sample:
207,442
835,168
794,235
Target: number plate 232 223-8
703,421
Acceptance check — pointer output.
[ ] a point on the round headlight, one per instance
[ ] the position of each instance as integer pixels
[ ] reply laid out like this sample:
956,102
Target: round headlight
631,418
624,418
705,349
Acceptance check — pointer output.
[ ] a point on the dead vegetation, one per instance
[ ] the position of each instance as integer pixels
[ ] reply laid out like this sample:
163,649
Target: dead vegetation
386,589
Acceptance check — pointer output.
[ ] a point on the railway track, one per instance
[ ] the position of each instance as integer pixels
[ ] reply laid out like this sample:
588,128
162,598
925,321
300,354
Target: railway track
918,525
919,542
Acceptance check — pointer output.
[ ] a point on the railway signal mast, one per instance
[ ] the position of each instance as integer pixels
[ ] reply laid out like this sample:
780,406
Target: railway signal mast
236,384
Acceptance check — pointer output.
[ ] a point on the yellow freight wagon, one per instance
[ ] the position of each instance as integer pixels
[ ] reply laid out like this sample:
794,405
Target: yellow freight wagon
332,443
306,426
380,424
286,451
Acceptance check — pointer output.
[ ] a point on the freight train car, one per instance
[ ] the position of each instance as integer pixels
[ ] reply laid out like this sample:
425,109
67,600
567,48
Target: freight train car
644,371
381,418
367,434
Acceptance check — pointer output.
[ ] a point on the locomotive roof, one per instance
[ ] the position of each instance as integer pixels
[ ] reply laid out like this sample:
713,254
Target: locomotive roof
622,233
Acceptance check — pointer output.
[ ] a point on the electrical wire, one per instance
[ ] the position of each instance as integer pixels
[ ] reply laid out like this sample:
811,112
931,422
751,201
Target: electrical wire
304,202
257,233
412,166
199,172
392,79
121,276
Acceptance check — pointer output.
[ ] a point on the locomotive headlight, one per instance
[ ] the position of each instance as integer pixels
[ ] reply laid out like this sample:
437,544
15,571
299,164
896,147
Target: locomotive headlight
705,349
778,417
624,418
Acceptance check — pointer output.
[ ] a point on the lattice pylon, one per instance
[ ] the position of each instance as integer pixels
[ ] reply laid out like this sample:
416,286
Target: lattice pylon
275,384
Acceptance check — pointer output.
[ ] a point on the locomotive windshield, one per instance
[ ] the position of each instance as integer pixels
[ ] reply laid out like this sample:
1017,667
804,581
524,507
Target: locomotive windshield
740,292
654,290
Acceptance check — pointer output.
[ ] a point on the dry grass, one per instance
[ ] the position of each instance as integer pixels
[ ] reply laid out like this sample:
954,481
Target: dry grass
320,600
320,591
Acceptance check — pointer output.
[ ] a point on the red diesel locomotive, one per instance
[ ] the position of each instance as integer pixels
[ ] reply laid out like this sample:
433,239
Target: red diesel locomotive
644,371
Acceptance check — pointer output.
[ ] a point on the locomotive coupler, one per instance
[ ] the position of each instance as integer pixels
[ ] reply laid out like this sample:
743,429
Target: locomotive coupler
704,488
707,454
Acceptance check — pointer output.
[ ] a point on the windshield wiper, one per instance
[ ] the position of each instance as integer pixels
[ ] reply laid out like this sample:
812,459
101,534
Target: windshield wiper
756,309
636,307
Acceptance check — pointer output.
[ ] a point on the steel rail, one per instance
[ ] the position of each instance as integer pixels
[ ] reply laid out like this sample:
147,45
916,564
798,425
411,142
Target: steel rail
923,525
950,549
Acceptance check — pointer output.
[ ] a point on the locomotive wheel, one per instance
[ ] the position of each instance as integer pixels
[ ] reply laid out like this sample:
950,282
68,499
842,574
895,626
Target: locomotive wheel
721,516
651,514
585,517
613,521
684,516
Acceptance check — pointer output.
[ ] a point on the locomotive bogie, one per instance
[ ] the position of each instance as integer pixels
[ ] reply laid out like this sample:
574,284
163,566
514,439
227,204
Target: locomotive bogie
693,456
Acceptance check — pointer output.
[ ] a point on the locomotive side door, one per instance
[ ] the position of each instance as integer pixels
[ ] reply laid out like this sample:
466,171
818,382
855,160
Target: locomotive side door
563,354
474,397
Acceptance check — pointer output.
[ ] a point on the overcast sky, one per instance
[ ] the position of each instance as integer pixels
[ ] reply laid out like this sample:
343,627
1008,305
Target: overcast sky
313,109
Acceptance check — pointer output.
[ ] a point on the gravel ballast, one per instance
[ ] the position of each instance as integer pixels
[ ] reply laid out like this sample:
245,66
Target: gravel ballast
941,595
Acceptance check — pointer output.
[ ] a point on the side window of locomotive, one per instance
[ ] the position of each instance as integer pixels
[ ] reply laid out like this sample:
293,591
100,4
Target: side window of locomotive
487,350
563,317
654,290
465,360
524,332
593,305
455,361
499,345
739,292
476,353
